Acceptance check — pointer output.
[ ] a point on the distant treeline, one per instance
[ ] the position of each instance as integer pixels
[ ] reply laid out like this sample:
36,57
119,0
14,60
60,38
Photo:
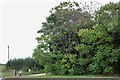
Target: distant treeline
2,64
24,64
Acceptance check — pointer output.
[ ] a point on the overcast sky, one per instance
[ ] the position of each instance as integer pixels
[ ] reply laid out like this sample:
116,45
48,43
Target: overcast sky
19,22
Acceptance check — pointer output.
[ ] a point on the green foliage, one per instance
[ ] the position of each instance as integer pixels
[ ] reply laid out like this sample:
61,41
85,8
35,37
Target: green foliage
58,69
100,40
73,42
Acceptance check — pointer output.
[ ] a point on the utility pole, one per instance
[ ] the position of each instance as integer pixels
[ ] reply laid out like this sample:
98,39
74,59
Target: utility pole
8,53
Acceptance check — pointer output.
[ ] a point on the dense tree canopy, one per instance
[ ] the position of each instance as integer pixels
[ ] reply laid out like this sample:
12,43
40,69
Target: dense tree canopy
74,41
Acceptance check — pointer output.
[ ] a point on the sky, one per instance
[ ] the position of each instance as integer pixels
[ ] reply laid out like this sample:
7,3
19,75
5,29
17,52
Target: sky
19,22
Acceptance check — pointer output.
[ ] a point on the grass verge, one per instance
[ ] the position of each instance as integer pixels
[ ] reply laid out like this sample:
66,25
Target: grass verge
81,76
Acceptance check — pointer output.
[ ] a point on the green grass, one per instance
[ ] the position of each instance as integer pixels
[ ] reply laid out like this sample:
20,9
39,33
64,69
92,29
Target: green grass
7,74
81,76
0,71
10,74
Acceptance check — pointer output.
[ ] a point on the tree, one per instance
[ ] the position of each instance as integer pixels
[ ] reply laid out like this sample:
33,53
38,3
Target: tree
73,41
59,32
98,45
110,18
